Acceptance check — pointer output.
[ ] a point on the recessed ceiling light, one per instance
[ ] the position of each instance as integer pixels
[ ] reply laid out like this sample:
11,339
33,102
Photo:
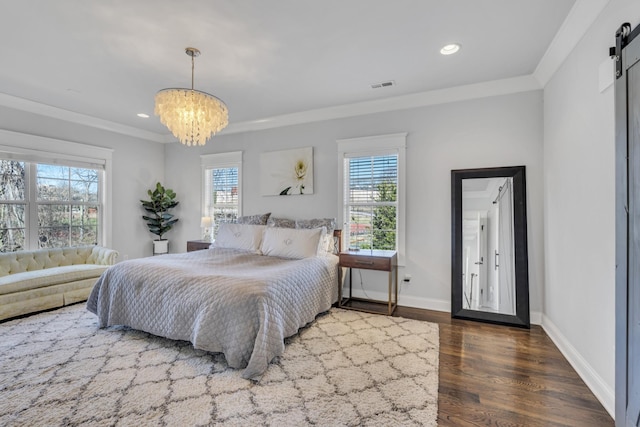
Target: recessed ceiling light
450,49
143,115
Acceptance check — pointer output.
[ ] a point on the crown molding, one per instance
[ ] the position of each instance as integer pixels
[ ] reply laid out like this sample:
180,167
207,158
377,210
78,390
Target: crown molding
581,16
422,99
82,119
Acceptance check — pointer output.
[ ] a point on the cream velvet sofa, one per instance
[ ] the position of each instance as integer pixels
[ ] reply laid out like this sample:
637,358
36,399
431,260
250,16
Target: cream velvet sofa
47,278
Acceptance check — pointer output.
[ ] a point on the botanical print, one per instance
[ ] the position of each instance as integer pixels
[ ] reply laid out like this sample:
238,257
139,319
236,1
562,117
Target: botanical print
287,172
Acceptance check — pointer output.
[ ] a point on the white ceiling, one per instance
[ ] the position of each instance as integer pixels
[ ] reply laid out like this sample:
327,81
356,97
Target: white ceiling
265,59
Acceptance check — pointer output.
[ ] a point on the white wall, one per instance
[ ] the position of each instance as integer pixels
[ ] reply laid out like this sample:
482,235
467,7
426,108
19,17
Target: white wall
489,132
137,166
579,183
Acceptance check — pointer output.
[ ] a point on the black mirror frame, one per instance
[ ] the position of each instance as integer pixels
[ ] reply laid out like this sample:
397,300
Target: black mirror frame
522,316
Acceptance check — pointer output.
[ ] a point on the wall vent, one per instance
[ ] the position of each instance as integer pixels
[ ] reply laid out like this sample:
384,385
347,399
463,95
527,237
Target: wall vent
383,84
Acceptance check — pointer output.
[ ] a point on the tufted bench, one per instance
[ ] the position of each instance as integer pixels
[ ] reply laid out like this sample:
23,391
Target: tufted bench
47,278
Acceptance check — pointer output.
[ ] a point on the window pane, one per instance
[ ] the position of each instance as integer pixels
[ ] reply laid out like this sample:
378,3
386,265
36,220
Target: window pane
222,215
225,186
360,235
53,189
53,237
373,178
12,215
84,175
84,216
384,227
67,224
84,236
12,233
84,185
360,180
222,198
53,215
53,171
12,180
84,191
11,239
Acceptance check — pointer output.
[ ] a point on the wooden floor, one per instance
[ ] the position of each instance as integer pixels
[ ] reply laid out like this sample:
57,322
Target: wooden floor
502,376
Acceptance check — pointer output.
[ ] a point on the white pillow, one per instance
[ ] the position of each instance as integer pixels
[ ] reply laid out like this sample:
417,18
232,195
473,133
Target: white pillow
239,236
329,223
291,242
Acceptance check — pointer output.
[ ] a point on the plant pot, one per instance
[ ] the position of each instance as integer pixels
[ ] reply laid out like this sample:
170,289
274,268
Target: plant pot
160,247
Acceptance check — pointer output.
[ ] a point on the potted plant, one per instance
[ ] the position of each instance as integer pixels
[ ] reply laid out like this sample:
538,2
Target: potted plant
160,221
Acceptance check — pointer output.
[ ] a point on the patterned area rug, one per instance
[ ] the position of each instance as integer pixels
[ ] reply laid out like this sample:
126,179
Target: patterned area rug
347,368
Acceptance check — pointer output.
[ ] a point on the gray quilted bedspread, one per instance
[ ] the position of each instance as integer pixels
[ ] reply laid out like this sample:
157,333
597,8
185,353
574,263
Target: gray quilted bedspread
221,300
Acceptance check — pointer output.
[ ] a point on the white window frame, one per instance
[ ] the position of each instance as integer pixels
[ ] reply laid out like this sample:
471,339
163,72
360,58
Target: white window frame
28,148
379,145
232,159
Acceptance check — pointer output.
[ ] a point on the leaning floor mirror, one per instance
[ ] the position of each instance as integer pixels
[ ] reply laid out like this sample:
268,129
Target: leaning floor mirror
490,269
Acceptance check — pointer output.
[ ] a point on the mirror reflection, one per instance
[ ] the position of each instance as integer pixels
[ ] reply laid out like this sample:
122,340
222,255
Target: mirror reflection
488,264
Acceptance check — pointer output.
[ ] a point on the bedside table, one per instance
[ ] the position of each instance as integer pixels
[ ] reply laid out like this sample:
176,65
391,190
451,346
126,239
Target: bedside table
368,259
197,245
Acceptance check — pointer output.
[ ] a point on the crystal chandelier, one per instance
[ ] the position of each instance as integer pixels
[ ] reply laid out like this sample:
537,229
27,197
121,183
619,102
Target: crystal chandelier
192,116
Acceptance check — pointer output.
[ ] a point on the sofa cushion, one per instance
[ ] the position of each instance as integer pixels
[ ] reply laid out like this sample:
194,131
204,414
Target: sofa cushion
49,276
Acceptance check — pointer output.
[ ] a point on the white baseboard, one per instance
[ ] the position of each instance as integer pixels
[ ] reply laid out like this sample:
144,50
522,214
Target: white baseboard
426,303
596,384
405,300
535,317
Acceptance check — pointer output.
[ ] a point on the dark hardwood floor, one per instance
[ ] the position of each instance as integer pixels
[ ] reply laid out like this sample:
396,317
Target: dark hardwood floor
494,375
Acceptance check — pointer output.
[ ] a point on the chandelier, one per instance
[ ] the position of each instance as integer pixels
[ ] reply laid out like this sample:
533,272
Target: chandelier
192,116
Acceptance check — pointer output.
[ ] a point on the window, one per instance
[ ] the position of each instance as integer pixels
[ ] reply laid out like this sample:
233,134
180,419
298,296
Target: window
61,209
222,184
371,205
372,202
68,205
53,198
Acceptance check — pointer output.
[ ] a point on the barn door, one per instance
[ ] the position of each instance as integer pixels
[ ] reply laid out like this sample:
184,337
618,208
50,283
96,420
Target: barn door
628,228
633,263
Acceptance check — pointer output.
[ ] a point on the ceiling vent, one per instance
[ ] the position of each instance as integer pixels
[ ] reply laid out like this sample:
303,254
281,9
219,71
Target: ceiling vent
383,84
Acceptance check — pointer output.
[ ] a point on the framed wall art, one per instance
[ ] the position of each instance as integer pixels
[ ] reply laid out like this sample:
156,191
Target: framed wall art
286,172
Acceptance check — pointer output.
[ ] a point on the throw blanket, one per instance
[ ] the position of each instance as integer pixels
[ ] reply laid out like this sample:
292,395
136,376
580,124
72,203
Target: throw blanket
221,300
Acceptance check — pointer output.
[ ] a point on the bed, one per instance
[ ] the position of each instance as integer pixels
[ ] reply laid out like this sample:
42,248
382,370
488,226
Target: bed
241,298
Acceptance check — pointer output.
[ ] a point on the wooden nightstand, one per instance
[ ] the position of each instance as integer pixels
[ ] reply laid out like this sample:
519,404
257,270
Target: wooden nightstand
197,245
370,260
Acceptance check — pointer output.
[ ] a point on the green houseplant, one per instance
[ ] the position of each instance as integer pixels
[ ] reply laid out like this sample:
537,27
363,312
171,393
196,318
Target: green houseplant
160,221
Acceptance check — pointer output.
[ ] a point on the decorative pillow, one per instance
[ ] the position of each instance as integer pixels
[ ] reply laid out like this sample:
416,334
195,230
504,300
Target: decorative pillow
291,242
239,236
254,219
281,222
328,223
